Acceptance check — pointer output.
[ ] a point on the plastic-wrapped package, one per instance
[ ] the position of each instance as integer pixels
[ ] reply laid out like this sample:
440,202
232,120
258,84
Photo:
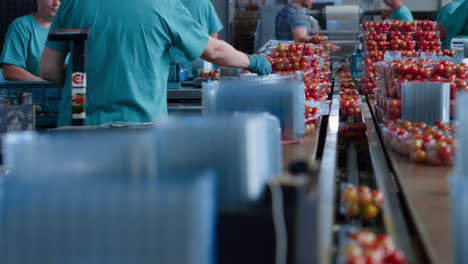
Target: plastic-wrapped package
97,217
461,166
426,102
323,106
279,95
459,216
273,43
243,149
96,151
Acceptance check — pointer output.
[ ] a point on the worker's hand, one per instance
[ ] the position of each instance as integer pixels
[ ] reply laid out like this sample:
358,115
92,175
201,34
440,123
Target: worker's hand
386,13
331,45
259,65
441,28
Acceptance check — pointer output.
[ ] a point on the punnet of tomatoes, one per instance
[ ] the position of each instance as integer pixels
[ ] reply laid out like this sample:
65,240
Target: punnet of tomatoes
422,143
360,202
366,247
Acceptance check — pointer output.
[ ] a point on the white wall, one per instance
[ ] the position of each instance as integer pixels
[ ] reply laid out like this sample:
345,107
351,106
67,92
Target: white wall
422,5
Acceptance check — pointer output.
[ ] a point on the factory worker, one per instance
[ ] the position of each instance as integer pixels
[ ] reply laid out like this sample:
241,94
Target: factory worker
128,58
448,8
25,41
397,11
292,22
204,13
453,21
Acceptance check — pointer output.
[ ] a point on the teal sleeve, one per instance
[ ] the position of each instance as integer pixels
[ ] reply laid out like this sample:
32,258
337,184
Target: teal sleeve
15,48
186,33
403,14
455,22
58,22
215,24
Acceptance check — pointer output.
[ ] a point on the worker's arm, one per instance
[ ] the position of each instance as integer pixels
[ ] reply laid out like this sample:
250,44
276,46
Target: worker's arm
454,22
333,47
223,54
16,73
214,35
299,33
52,67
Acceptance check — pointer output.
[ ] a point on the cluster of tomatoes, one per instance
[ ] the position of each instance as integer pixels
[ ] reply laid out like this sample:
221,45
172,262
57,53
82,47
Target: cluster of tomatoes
351,127
310,59
421,143
393,74
400,26
213,75
316,39
410,38
365,246
350,105
312,115
361,202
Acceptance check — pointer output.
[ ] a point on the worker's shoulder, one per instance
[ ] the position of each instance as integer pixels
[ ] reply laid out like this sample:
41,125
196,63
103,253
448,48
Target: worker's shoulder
289,11
23,24
23,21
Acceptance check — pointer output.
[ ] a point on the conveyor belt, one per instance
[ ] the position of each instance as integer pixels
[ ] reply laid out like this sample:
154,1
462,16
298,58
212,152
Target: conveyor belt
425,192
305,150
395,218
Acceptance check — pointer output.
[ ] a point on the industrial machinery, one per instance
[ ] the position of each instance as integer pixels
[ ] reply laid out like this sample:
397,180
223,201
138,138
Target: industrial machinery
460,46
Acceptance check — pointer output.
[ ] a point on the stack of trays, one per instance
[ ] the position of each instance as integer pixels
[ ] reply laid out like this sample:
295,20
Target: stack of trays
426,102
244,150
459,216
82,152
461,166
279,95
95,217
459,184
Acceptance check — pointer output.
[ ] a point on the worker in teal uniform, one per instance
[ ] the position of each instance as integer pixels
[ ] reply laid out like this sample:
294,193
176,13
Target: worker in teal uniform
397,11
453,21
25,41
448,8
205,14
128,58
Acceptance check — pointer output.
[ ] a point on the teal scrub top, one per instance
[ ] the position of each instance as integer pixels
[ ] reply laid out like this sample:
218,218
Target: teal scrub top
127,55
402,13
455,22
205,14
447,9
24,42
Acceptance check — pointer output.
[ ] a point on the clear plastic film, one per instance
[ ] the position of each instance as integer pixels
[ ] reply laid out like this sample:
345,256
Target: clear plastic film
59,213
459,216
243,149
426,102
279,95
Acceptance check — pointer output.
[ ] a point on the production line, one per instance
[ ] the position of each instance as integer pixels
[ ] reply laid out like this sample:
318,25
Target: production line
350,156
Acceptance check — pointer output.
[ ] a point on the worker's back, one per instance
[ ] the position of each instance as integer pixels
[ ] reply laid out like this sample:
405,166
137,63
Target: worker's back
127,59
205,14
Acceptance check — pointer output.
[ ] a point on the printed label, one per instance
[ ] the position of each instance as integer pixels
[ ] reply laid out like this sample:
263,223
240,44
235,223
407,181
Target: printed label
78,79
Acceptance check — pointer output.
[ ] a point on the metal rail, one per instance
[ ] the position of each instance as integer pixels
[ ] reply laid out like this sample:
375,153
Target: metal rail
327,185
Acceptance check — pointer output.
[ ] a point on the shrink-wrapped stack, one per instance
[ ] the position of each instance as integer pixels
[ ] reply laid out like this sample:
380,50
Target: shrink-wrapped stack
279,95
74,210
244,150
